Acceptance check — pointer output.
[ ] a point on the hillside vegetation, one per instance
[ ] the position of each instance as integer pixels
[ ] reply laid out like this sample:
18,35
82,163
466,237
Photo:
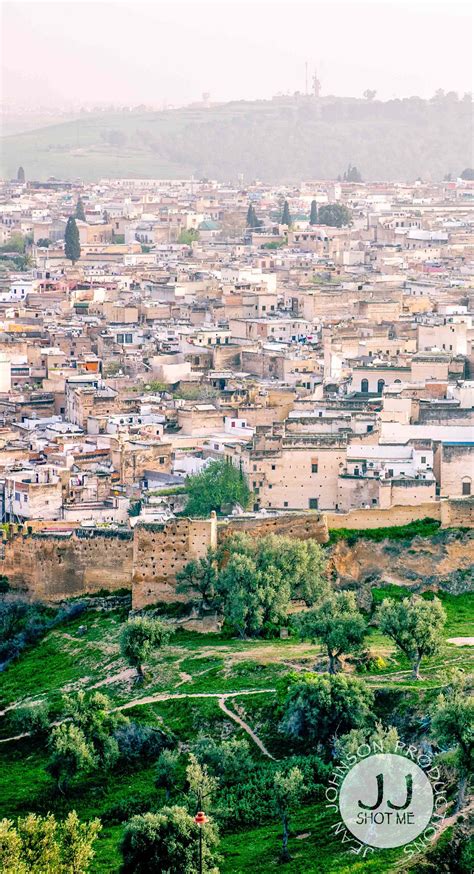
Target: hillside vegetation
283,140
190,690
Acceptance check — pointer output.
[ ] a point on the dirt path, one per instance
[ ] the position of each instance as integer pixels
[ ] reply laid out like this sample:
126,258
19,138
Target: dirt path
171,696
461,641
245,727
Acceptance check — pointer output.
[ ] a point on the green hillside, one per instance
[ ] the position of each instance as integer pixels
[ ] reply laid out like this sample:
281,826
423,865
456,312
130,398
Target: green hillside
188,688
282,140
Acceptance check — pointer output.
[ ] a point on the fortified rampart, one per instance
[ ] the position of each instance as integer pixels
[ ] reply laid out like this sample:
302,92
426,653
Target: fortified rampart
52,565
52,561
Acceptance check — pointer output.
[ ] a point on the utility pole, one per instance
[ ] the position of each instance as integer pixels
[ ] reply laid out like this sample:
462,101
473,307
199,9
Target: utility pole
200,819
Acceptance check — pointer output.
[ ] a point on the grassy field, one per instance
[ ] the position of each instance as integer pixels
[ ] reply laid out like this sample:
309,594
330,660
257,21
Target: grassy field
196,665
390,140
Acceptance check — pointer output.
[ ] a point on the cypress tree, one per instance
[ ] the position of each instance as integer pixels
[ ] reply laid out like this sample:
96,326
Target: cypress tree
252,220
20,175
313,218
80,214
72,246
286,216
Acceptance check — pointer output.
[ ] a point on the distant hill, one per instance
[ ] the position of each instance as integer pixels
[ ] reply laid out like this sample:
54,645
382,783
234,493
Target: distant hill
280,140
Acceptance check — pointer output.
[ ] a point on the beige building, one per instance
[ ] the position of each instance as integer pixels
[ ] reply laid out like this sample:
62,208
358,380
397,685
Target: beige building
33,494
295,472
456,469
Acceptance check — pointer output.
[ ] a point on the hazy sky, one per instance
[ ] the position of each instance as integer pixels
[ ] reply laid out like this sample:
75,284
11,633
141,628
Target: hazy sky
131,53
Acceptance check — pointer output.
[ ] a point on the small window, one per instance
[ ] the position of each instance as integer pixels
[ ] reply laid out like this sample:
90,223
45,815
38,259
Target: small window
466,487
285,503
364,386
273,466
313,503
162,460
314,468
423,459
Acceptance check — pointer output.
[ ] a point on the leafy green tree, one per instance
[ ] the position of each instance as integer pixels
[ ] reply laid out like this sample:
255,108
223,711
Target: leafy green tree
337,623
202,786
200,575
414,625
468,174
16,243
288,789
43,243
313,216
383,738
72,245
93,715
188,237
41,845
369,94
32,719
70,754
352,174
166,771
319,707
168,841
10,849
20,175
79,212
301,562
139,637
230,761
252,220
286,215
253,597
218,484
77,843
453,726
335,215
251,580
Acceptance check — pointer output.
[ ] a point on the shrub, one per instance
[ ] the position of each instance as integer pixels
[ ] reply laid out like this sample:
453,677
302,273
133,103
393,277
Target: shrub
251,801
138,742
32,719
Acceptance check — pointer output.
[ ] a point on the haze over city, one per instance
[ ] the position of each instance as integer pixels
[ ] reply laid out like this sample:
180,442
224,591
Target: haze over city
57,54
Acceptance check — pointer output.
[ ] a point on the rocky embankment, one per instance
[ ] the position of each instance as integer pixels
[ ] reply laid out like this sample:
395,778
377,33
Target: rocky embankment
444,561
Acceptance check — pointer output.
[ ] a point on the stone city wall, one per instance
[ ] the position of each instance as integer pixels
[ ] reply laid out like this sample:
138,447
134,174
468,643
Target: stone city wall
53,561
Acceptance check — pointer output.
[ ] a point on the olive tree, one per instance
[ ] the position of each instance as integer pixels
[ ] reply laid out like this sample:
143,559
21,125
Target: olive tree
414,625
139,637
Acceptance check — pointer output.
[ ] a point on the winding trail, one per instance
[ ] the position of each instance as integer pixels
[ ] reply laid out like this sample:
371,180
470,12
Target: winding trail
173,696
244,725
